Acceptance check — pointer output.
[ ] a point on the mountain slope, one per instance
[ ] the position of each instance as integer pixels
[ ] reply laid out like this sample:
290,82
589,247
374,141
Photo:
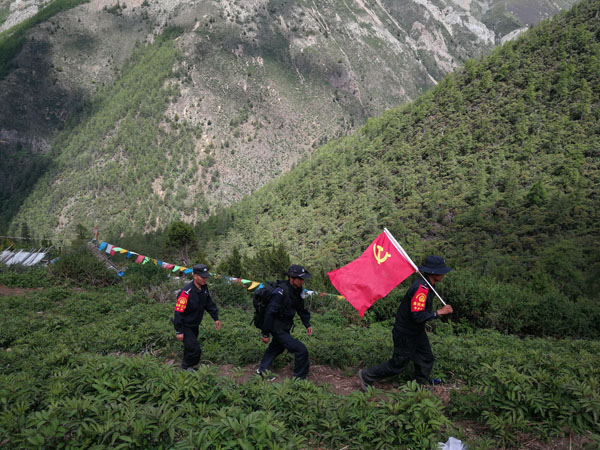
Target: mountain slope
255,87
496,168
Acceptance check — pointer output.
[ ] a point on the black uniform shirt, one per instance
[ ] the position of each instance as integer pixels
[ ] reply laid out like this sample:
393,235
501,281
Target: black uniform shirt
190,307
415,309
285,301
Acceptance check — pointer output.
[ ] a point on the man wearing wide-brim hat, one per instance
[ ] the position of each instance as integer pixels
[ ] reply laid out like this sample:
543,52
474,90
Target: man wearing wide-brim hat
286,300
410,339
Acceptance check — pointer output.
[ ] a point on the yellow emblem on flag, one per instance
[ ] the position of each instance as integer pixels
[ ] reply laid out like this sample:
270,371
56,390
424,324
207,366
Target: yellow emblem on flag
377,251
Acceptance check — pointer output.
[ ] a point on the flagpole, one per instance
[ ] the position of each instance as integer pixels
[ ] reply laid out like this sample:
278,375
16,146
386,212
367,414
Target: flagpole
403,252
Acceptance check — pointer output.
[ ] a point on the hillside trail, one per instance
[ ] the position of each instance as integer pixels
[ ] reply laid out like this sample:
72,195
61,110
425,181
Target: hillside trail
339,381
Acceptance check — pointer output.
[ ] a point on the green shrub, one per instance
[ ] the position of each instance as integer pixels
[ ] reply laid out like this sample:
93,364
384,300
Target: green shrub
81,266
139,276
518,309
25,277
226,293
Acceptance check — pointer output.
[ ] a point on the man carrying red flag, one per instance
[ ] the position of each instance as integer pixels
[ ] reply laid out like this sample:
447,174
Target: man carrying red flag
410,340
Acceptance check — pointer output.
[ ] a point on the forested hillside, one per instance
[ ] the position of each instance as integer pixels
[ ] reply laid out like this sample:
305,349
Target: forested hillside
242,91
496,168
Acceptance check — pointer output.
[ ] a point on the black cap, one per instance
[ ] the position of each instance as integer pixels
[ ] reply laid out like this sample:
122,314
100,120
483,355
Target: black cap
202,270
435,265
297,271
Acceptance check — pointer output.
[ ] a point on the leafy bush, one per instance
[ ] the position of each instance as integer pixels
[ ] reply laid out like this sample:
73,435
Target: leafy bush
81,266
141,403
513,308
226,293
25,277
138,276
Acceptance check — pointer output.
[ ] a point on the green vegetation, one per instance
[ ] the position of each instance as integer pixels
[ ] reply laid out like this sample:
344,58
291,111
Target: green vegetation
19,168
253,88
4,10
496,169
123,144
181,239
12,39
79,265
86,367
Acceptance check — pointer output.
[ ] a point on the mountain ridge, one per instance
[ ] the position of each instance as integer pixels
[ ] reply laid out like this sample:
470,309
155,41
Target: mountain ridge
496,168
259,86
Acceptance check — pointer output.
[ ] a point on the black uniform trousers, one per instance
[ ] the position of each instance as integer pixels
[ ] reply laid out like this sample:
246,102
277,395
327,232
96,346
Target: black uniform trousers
282,340
191,347
406,348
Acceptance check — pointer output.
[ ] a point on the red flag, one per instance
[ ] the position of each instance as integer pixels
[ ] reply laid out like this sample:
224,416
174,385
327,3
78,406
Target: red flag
373,275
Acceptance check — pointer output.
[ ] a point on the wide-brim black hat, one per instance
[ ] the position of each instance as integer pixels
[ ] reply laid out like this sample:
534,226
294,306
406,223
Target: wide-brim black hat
297,271
435,265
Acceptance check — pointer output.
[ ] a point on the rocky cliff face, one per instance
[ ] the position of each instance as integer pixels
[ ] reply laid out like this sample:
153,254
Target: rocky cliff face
266,81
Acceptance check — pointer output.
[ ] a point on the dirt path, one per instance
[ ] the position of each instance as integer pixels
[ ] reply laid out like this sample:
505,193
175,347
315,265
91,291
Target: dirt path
6,291
340,381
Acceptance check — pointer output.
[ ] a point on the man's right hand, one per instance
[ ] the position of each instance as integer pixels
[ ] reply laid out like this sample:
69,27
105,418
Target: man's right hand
446,309
179,336
265,339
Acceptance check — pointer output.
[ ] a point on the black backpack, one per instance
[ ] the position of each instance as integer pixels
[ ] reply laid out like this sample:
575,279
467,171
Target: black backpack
260,300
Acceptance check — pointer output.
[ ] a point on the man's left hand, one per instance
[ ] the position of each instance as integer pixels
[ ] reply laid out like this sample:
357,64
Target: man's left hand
218,324
309,331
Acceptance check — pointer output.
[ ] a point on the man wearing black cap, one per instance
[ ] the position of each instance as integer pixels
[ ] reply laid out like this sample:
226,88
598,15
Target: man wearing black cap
410,340
192,301
286,300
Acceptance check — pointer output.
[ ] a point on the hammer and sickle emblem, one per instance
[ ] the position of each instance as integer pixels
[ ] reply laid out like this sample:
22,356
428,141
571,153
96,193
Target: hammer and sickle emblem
377,250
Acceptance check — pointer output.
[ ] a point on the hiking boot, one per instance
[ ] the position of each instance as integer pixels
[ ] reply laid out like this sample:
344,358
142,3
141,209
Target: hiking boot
364,386
268,376
435,381
189,369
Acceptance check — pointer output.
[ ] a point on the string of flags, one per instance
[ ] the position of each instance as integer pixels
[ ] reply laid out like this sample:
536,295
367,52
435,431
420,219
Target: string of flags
142,259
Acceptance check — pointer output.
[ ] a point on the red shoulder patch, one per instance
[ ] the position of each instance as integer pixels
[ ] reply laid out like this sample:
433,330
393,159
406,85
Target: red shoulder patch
182,301
417,303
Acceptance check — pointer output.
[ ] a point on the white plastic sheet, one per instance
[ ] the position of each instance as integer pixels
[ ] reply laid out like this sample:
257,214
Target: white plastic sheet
21,257
452,444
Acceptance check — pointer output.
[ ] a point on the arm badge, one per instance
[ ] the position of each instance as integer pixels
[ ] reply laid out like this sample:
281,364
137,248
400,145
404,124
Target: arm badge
417,303
182,301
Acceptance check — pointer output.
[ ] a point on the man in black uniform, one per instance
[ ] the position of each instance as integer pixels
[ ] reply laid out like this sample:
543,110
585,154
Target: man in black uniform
286,300
192,301
410,340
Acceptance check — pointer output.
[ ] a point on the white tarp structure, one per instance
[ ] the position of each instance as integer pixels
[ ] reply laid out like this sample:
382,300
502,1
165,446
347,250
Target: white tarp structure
22,257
